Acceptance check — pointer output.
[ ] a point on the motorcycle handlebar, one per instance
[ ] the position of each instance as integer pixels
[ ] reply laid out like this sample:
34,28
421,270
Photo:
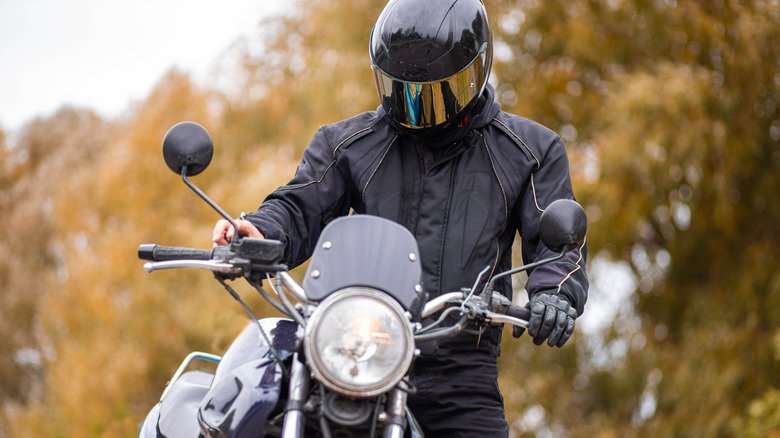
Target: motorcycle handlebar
510,314
519,312
159,253
513,315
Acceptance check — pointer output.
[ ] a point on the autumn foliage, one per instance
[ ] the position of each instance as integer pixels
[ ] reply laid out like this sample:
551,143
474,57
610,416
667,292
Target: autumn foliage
669,110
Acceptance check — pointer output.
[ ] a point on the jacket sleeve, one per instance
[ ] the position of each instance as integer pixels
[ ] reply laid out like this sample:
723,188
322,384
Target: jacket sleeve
296,213
550,182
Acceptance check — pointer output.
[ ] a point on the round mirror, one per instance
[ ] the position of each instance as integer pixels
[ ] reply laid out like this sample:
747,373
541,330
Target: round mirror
187,144
563,225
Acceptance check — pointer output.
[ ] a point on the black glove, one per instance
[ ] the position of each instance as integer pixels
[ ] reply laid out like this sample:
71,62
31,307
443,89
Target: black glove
552,318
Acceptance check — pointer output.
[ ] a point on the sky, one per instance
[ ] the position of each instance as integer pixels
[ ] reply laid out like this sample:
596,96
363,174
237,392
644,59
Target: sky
107,54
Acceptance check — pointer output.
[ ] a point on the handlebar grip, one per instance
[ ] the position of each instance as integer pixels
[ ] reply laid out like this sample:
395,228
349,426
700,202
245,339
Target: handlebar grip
158,253
523,313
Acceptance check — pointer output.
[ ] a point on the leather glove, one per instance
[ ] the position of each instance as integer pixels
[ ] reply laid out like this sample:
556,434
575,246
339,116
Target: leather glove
552,318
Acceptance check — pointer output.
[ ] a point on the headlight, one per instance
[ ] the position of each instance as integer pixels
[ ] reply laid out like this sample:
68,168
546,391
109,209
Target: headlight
358,342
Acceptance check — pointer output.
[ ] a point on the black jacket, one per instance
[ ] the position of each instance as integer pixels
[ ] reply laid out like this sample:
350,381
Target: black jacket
464,201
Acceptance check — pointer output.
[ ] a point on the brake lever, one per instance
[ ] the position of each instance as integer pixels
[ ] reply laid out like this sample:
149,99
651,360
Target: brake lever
497,318
209,265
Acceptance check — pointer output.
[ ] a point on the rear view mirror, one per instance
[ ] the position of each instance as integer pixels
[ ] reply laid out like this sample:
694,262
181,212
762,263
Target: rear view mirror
187,149
563,225
562,228
187,144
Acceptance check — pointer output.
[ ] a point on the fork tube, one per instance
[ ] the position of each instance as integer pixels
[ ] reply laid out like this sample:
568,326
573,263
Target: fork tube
299,388
396,408
295,289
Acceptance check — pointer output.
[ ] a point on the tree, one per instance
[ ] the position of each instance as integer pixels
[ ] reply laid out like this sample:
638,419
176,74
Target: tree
31,170
672,110
105,338
669,113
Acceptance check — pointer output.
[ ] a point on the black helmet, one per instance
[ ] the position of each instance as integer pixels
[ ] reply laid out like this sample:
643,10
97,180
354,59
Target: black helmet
431,59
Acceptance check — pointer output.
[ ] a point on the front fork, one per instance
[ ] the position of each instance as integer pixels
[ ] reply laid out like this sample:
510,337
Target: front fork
396,412
294,419
299,389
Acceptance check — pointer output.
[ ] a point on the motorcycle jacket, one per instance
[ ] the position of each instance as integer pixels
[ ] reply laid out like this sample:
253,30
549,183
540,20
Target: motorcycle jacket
463,196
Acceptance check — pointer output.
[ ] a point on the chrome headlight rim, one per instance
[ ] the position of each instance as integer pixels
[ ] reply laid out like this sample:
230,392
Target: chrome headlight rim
315,361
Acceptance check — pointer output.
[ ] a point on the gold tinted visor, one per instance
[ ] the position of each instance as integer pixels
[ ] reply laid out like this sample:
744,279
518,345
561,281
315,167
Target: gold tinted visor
426,104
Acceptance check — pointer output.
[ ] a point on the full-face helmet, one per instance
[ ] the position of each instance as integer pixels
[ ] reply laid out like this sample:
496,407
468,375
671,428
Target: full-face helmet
431,59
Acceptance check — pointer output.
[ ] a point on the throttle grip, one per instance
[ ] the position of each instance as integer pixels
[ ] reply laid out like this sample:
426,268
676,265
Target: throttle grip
523,313
158,253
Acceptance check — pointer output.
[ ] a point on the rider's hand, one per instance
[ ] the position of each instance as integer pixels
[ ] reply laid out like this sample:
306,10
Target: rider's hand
223,231
552,318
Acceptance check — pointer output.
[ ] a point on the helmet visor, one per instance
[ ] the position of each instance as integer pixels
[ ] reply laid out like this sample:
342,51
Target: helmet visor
426,104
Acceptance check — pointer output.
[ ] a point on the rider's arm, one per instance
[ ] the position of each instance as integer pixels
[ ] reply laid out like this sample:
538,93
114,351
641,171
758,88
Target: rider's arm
296,213
551,181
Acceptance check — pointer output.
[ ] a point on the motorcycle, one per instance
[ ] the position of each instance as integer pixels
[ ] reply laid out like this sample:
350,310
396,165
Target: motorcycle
338,363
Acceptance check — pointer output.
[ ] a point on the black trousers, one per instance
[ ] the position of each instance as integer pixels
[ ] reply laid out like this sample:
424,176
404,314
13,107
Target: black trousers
457,394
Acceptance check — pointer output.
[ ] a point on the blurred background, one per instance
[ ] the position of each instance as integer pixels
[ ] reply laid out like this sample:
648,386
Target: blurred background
668,109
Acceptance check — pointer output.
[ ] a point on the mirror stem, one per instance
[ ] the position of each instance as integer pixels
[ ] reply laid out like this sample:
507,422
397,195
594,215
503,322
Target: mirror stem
211,203
489,286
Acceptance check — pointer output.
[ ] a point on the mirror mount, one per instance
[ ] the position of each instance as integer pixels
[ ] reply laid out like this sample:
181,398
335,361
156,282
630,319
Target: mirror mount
489,287
562,228
187,150
199,192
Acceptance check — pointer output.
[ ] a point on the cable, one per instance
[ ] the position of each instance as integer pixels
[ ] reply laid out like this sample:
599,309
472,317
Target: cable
276,357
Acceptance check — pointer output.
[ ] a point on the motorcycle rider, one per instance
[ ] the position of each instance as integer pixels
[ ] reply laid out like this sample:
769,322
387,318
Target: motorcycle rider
439,157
